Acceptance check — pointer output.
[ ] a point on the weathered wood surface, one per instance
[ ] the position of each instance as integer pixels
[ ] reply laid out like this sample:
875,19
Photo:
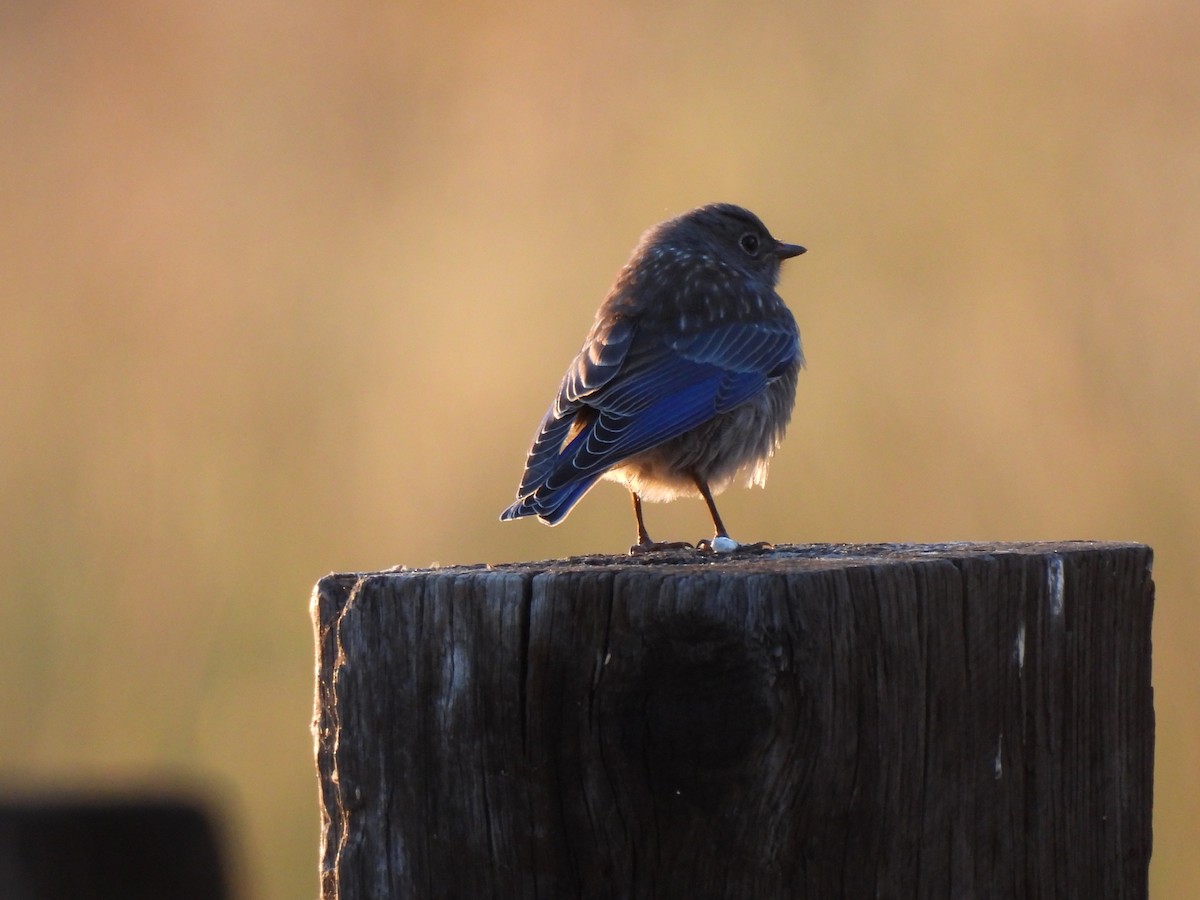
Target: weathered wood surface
815,722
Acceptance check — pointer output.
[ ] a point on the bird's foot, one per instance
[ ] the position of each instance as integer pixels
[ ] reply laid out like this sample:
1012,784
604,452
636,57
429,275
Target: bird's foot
723,543
655,546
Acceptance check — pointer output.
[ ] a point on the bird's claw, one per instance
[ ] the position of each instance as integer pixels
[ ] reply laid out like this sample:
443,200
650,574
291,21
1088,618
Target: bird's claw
655,546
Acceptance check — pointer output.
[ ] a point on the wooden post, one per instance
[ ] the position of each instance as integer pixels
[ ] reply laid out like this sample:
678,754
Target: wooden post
813,722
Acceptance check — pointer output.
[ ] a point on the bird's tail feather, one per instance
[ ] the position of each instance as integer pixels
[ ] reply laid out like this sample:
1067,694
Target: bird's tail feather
551,505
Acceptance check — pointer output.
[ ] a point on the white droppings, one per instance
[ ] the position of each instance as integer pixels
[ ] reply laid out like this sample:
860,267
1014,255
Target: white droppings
1054,584
1019,650
998,763
724,544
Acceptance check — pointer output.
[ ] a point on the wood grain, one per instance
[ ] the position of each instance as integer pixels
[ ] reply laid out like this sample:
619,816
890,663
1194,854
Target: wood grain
811,722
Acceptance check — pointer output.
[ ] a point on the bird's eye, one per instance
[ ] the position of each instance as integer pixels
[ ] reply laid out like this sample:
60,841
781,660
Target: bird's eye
749,243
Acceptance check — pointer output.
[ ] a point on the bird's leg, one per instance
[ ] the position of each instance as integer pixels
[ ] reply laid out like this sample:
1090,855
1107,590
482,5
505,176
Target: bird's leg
644,544
702,486
721,542
643,535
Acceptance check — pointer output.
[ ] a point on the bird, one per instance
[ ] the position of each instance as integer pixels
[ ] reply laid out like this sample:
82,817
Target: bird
685,382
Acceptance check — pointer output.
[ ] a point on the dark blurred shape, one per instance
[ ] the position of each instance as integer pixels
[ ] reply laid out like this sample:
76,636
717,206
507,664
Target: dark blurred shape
100,848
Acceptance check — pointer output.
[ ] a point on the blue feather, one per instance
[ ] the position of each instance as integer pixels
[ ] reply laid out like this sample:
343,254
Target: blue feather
660,393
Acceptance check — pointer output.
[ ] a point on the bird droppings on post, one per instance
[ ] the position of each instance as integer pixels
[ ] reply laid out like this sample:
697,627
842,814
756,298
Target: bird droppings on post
685,382
1019,649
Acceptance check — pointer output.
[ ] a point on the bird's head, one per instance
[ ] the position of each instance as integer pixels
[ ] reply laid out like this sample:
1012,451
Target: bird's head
735,235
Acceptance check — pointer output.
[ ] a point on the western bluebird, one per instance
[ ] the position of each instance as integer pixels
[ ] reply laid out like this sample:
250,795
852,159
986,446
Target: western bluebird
686,380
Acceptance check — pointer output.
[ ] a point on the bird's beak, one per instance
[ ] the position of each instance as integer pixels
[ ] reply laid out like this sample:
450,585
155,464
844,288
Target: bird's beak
787,251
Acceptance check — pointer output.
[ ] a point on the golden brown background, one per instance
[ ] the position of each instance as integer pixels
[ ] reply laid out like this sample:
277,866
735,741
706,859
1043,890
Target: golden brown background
287,287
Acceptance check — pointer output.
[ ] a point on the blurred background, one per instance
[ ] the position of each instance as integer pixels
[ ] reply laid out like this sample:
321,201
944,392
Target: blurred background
287,288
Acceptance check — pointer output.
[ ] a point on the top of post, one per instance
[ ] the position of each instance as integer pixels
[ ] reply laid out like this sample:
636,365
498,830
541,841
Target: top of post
782,558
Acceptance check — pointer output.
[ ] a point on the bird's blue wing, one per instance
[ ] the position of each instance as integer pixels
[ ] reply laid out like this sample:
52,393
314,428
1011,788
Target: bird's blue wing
669,387
630,390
